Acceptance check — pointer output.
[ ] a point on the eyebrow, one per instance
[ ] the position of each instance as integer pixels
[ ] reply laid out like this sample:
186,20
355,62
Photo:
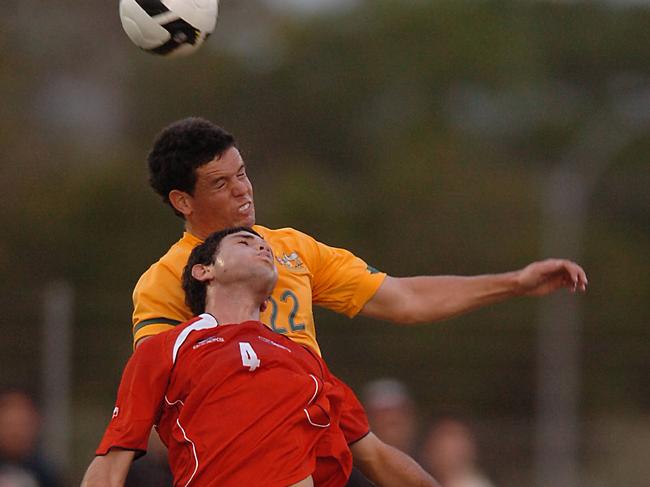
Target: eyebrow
240,167
217,177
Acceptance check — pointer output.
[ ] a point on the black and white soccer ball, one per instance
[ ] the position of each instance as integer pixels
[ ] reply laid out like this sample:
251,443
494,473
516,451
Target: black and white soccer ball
169,27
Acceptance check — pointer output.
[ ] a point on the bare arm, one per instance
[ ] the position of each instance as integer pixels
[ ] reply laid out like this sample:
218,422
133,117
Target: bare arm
386,466
425,299
109,470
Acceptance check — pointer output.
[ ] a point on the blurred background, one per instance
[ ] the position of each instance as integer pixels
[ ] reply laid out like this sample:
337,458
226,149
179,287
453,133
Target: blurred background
438,137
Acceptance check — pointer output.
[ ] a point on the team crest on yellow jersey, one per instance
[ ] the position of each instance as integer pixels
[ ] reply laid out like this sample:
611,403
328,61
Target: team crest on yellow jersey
290,261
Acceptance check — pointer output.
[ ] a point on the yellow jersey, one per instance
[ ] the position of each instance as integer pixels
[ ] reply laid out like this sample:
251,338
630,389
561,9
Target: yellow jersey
309,273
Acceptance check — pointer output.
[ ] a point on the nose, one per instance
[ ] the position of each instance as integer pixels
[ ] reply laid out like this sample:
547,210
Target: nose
239,188
265,247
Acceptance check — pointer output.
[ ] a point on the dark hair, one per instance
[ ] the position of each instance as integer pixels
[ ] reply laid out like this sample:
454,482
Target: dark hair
204,254
179,149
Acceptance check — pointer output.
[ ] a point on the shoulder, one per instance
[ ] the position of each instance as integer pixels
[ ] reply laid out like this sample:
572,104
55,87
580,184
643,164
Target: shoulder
281,233
178,336
167,341
177,255
287,238
292,236
152,347
170,264
293,249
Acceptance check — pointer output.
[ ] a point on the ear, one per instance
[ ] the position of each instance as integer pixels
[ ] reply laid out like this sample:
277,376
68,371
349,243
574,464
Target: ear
181,200
201,272
264,305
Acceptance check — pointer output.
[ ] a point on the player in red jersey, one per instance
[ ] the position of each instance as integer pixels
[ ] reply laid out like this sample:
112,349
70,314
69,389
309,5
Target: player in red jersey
235,403
196,167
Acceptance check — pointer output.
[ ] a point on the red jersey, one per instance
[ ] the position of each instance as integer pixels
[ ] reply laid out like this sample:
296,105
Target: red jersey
235,405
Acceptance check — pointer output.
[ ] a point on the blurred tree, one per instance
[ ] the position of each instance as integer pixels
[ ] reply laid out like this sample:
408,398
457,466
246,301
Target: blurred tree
412,133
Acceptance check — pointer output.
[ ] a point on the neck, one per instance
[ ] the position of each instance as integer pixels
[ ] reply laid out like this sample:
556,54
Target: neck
235,304
197,231
202,232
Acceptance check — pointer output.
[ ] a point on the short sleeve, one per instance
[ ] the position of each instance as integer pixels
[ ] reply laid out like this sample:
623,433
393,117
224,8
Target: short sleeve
342,281
158,302
139,398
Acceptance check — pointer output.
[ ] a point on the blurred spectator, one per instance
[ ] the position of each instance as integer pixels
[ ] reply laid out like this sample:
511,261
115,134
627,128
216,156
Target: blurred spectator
11,476
392,413
152,470
20,423
449,453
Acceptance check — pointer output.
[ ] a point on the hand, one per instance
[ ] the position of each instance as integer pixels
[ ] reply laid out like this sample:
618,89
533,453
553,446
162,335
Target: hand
544,277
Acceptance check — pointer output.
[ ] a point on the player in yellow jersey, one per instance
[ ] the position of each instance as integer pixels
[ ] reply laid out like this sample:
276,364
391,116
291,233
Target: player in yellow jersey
196,168
309,273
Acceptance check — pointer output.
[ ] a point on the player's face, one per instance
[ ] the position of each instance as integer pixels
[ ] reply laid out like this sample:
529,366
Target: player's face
223,195
244,256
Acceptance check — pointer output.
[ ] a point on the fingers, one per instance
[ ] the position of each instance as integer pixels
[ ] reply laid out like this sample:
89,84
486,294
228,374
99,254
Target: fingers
577,278
582,279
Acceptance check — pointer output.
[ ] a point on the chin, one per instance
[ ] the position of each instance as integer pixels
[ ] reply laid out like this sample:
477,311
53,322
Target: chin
268,277
248,222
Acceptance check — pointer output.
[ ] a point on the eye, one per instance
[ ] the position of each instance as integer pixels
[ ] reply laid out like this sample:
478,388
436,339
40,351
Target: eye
245,242
242,173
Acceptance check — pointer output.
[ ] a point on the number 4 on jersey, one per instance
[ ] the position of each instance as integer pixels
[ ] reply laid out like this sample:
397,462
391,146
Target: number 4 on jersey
248,356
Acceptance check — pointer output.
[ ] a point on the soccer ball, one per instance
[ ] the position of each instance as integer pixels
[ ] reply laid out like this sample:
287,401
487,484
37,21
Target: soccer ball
168,27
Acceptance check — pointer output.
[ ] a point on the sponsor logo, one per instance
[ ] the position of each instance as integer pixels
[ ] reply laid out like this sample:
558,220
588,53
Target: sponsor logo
116,411
275,344
206,341
290,261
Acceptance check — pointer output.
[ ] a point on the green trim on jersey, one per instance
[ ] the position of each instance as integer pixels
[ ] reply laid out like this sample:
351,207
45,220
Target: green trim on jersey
155,321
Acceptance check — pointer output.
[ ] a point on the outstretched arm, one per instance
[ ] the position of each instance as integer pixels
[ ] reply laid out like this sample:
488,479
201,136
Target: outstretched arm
109,470
386,466
425,299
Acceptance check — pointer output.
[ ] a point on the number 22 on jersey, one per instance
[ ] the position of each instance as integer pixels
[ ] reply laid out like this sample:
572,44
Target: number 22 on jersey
248,356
